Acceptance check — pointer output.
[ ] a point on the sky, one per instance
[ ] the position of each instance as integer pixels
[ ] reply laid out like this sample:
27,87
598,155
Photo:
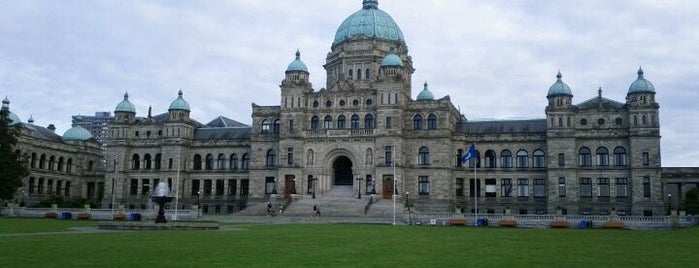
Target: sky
495,59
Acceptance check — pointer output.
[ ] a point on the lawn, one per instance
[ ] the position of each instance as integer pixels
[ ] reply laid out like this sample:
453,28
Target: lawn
335,245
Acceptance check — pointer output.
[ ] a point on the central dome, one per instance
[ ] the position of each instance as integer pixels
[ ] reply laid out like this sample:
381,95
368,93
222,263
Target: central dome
371,22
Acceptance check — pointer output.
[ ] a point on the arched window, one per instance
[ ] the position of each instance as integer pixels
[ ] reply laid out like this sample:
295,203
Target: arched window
245,163
221,161
209,162
354,123
276,128
328,122
539,159
69,165
522,159
602,156
33,164
197,162
265,126
475,160
585,156
369,121
367,74
60,164
506,158
234,162
620,156
349,75
417,122
158,160
52,162
42,161
341,122
147,161
314,123
359,74
459,154
423,156
135,162
432,121
271,158
490,159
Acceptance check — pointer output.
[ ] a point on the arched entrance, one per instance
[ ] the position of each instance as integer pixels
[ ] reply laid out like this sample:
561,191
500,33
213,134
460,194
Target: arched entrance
342,169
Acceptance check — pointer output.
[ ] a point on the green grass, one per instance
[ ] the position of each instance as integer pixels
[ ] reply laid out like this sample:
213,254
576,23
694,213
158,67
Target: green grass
319,245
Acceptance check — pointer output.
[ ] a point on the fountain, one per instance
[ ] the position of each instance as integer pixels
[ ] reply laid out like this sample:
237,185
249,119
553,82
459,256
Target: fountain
160,197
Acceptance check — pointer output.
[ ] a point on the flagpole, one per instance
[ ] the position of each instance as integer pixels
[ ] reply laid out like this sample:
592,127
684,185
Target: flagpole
393,195
475,187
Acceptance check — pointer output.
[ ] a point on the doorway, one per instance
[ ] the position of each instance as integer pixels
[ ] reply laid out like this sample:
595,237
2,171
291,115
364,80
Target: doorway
387,187
342,168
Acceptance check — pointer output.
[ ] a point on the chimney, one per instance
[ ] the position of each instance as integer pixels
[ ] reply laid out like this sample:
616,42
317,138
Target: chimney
52,128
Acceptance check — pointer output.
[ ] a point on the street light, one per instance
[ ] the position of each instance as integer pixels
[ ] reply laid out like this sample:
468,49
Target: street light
669,197
359,188
199,198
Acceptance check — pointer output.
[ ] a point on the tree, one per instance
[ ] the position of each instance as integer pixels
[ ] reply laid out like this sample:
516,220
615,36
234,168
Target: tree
12,164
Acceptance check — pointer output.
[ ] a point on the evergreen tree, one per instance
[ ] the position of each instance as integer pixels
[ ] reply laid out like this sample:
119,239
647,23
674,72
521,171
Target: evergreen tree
12,165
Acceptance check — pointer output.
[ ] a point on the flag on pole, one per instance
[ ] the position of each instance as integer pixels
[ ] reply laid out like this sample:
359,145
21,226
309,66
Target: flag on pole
470,153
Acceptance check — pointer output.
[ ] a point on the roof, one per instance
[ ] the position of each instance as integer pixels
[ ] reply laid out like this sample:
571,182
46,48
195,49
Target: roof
42,133
297,65
371,22
125,105
179,103
594,103
220,133
77,133
559,88
222,121
641,85
391,60
504,126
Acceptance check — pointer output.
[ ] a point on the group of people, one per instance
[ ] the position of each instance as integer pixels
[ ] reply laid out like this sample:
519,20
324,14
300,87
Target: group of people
273,213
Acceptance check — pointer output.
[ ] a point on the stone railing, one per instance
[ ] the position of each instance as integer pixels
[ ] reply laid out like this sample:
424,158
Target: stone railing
340,132
95,214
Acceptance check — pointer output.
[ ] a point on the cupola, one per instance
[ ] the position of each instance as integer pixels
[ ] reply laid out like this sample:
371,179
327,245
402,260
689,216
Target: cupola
425,94
77,133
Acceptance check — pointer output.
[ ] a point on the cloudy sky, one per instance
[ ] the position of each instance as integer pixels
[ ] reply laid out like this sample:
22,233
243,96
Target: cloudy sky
495,59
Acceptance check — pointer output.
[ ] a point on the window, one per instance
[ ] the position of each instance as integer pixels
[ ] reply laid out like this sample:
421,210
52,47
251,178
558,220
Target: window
158,160
40,187
197,162
69,165
432,121
209,165
583,121
417,122
474,187
388,155
424,156
369,102
359,74
314,123
561,160
135,162
147,161
490,188
602,156
290,156
539,161
539,188
341,122
265,126
349,75
33,163
424,185
221,161
585,157
490,159
276,128
245,164
646,186
328,103
506,159
196,184
271,158
619,156
219,187
328,122
522,157
232,187
366,74
291,125
67,189
475,160
561,186
645,158
270,187
603,187
31,185
506,187
522,187
208,187
459,187
369,121
342,102
389,122
621,188
244,187
354,121
585,187
600,121
52,162
234,162
133,188
355,102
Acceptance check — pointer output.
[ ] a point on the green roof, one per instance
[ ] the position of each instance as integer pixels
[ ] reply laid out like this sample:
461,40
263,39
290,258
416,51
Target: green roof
125,105
559,88
371,22
641,85
179,103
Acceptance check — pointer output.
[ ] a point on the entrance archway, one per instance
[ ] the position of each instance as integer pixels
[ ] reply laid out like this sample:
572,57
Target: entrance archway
342,169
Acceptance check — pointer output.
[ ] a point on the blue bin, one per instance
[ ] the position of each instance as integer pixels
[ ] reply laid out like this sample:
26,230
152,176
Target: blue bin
583,224
135,217
479,222
66,216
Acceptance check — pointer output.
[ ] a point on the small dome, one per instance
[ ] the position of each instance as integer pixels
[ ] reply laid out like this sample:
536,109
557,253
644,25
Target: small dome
425,94
14,119
391,60
371,22
559,88
77,133
125,105
297,65
179,103
641,84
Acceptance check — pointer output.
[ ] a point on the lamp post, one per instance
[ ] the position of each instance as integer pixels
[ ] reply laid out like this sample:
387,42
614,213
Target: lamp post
359,188
177,185
407,200
669,204
199,198
293,187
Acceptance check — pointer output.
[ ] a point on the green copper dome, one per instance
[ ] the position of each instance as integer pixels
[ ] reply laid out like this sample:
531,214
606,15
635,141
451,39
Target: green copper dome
179,103
297,65
641,85
125,105
559,88
77,133
14,119
371,22
425,94
391,60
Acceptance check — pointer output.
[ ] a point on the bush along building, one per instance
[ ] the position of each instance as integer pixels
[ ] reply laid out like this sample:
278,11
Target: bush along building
364,130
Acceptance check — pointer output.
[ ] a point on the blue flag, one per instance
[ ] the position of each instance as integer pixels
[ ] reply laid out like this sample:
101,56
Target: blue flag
470,153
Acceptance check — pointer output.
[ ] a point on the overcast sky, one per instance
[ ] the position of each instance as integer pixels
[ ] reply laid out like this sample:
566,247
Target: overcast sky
495,59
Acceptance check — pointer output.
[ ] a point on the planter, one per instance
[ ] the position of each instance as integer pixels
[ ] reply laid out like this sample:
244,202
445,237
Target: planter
119,217
83,216
560,224
51,215
507,223
614,225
